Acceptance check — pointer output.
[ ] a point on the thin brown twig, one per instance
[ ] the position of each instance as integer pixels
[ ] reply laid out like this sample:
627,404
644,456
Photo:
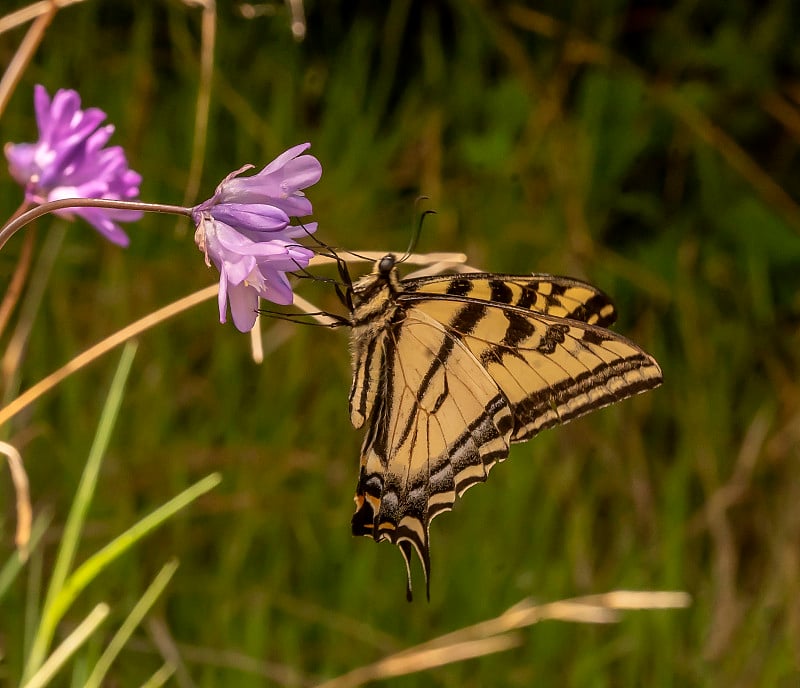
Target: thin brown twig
728,606
11,297
203,106
597,609
29,308
31,12
281,674
18,221
475,640
24,54
784,112
103,347
737,157
423,660
23,496
160,634
372,256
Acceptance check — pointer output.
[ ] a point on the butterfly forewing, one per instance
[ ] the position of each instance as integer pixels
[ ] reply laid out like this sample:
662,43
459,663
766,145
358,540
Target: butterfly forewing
562,297
549,369
448,371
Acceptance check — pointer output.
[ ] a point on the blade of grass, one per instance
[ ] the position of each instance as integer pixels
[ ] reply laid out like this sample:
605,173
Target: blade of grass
67,648
77,514
89,570
33,599
125,631
15,562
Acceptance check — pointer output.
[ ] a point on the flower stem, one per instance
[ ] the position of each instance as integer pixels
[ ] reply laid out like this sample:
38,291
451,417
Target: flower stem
18,222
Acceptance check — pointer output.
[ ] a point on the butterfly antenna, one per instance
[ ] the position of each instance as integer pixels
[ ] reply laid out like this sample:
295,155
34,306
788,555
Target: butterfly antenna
415,234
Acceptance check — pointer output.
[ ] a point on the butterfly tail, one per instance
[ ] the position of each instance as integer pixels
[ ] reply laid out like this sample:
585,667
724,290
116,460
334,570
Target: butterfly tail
410,536
406,549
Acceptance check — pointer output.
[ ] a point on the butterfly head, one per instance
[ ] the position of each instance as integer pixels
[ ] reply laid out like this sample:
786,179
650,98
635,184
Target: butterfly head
381,285
385,265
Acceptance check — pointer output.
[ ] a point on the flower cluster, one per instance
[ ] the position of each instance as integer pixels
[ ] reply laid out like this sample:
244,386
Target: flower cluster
244,230
69,161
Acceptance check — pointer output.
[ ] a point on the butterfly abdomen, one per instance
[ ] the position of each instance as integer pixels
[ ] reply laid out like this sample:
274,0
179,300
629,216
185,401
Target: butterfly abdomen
373,308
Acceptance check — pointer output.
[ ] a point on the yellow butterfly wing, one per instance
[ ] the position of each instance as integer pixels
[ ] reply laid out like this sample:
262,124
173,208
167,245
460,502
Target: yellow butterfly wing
450,370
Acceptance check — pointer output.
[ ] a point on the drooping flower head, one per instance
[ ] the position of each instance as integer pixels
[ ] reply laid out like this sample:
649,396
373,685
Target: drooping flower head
244,230
69,161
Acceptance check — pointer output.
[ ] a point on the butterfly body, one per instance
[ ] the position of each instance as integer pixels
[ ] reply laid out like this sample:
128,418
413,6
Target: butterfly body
448,371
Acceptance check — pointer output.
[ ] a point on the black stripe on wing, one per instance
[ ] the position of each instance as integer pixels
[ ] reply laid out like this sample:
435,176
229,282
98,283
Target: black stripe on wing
563,297
597,366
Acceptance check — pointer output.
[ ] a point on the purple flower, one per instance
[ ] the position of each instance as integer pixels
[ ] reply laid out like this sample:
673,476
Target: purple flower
69,161
244,230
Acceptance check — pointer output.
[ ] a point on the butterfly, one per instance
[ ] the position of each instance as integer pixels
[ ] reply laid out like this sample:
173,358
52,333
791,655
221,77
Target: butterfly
449,371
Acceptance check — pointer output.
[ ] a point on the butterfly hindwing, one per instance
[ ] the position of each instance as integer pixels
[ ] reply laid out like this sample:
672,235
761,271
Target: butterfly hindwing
448,371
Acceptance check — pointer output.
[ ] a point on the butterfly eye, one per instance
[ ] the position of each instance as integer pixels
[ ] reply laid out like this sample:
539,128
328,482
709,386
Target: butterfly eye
386,264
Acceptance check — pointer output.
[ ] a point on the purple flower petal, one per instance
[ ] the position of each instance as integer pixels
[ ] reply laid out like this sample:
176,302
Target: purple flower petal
277,288
255,217
99,219
20,160
239,268
300,173
278,184
222,295
299,231
285,157
244,304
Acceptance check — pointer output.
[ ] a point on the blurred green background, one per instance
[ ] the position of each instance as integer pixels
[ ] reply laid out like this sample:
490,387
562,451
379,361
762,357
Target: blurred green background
650,148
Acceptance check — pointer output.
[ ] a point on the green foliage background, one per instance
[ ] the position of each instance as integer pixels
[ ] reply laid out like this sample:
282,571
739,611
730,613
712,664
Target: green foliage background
651,148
